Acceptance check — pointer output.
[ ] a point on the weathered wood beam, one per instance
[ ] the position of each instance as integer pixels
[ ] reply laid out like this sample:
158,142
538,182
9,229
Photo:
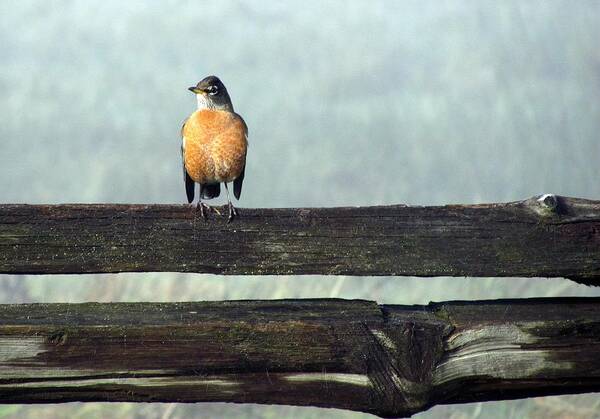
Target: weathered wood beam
387,360
546,236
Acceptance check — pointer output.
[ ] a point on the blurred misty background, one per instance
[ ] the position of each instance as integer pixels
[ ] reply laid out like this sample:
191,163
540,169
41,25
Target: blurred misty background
347,103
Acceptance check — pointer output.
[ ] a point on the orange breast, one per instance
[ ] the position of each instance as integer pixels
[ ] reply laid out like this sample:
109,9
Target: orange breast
214,146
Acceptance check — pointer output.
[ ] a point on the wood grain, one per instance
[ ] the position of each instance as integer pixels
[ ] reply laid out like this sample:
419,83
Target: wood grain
546,236
387,360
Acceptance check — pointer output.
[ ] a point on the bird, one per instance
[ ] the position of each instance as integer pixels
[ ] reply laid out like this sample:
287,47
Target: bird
214,146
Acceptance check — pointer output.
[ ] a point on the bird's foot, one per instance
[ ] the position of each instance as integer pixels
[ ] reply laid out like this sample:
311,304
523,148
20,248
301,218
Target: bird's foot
205,208
232,212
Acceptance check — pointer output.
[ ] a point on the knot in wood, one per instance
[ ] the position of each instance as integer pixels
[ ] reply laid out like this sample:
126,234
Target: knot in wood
57,338
550,201
546,205
402,358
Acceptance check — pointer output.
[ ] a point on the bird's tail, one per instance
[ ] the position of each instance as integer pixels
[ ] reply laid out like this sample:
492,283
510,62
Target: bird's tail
210,191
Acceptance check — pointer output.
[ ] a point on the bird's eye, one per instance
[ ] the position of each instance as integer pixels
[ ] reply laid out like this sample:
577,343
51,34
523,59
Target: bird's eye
213,90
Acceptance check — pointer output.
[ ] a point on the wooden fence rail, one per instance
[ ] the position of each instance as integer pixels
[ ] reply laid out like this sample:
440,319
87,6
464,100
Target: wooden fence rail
388,360
546,236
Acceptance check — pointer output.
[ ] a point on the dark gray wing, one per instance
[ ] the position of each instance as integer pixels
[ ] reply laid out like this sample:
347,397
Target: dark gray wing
189,183
237,184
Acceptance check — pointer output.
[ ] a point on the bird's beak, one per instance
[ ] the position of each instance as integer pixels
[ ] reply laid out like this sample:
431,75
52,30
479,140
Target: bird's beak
195,89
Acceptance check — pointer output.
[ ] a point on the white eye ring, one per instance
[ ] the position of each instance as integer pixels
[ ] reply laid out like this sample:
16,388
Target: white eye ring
213,90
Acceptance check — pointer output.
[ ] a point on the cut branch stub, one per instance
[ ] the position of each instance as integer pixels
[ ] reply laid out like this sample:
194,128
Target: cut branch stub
550,201
547,205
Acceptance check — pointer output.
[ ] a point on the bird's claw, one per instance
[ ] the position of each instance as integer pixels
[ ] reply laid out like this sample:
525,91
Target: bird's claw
205,208
232,213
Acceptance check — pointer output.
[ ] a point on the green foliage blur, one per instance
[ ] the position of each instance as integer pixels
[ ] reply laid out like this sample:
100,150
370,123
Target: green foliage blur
347,103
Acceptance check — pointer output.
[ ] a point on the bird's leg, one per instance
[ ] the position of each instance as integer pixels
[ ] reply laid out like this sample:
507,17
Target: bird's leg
232,211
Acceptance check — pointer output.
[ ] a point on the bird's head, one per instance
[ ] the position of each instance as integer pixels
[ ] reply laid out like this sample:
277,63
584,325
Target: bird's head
212,94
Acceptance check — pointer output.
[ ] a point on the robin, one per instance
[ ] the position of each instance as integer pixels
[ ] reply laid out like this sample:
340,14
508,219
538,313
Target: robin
214,144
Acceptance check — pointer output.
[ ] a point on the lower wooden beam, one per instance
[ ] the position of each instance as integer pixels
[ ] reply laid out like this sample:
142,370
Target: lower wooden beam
387,360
